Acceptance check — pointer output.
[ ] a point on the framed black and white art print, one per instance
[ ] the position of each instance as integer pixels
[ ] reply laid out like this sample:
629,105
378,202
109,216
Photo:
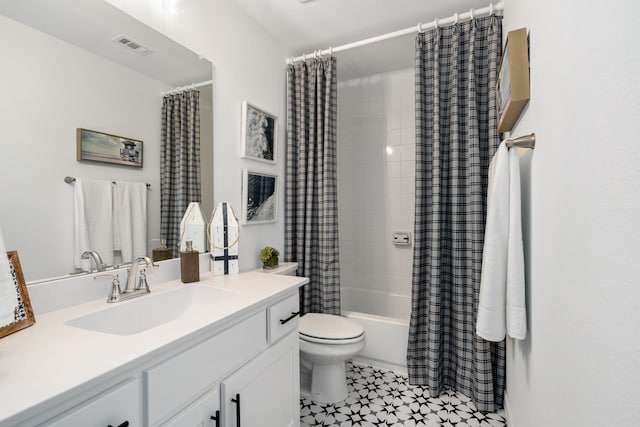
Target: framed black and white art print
259,131
259,197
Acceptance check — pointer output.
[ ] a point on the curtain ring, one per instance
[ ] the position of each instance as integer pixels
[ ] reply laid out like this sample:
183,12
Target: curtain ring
330,51
435,23
304,57
471,14
455,18
292,60
490,9
419,27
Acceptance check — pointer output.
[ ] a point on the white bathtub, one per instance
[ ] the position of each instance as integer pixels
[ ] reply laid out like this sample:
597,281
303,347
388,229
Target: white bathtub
385,318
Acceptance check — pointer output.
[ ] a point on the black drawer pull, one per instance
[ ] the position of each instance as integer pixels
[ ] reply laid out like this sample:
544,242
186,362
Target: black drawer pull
283,321
216,418
124,424
237,402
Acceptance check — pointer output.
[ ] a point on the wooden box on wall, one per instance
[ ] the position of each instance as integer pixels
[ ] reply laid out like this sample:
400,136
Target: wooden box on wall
512,89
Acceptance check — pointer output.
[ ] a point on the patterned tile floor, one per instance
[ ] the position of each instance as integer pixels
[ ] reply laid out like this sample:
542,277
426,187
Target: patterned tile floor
384,398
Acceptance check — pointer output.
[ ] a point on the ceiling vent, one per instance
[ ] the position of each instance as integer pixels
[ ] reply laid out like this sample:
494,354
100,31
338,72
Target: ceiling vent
132,45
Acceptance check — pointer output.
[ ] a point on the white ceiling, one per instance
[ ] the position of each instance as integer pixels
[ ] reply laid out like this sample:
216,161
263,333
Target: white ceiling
304,27
92,24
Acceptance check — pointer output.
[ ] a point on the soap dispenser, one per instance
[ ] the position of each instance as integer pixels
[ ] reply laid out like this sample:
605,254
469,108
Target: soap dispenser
161,253
189,264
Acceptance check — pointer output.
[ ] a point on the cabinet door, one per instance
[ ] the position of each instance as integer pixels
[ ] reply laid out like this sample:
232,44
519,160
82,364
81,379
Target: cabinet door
268,388
174,383
114,407
200,413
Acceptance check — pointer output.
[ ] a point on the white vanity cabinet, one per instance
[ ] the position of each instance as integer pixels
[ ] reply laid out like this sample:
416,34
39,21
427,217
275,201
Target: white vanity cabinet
175,383
237,367
115,407
266,391
205,411
185,373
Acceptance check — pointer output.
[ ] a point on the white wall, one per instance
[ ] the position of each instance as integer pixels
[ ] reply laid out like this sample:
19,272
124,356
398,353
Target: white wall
581,206
376,191
49,88
248,65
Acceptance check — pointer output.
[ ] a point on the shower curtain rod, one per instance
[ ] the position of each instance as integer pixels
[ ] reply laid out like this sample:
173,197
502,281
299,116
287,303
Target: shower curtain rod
455,18
191,86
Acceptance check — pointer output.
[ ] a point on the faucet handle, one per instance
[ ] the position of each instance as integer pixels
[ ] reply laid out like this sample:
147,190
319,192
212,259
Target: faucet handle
142,281
114,295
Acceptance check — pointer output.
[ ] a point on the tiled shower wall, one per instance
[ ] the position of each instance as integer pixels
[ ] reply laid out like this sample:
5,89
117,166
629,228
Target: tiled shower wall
376,190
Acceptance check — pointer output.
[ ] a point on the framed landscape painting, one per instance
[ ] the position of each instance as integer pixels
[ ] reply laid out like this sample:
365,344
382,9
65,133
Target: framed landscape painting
103,147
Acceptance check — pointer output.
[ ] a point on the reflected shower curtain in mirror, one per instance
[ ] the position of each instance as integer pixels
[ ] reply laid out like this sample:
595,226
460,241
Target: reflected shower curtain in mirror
456,136
311,211
179,162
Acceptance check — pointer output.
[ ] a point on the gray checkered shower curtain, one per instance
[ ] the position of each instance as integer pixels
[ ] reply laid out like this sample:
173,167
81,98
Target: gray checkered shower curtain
179,162
311,211
456,136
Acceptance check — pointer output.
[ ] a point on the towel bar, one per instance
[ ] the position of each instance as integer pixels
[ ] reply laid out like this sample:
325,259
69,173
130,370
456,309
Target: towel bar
527,141
71,180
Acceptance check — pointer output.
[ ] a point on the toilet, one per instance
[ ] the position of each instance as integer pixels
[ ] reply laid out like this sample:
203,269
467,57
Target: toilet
326,342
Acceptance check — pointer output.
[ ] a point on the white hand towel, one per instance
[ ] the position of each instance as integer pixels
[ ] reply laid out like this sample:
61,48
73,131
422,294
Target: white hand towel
93,220
516,310
491,324
8,292
130,219
502,303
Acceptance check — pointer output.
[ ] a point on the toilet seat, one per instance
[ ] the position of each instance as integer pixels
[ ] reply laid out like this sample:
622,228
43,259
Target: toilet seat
329,329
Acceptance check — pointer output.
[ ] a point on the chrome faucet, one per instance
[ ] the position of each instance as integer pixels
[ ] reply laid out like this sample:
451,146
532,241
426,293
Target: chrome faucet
96,259
138,271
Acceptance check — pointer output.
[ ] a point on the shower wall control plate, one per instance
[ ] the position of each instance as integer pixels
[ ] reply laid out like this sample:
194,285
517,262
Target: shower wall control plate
402,238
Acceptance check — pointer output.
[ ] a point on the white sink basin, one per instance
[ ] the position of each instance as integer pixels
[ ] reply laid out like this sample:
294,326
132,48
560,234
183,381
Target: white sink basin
151,310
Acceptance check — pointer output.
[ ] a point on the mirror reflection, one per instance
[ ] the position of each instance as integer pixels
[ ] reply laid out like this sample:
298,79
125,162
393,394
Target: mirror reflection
68,68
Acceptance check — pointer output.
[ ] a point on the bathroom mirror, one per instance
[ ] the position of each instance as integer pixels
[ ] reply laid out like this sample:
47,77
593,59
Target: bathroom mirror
24,313
70,68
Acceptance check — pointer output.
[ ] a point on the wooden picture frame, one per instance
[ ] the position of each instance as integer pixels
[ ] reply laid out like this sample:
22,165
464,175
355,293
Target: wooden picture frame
259,197
103,147
512,89
24,312
259,134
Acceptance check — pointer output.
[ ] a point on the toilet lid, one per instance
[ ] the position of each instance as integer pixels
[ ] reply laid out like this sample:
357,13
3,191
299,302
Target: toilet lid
317,326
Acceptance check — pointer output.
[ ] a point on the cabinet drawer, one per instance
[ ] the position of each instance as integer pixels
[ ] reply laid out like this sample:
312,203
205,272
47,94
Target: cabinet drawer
172,384
112,407
198,413
281,317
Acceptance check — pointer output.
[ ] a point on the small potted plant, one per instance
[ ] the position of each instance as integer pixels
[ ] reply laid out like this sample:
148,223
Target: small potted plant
269,257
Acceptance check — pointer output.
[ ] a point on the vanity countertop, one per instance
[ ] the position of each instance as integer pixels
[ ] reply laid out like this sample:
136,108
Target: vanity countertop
50,358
